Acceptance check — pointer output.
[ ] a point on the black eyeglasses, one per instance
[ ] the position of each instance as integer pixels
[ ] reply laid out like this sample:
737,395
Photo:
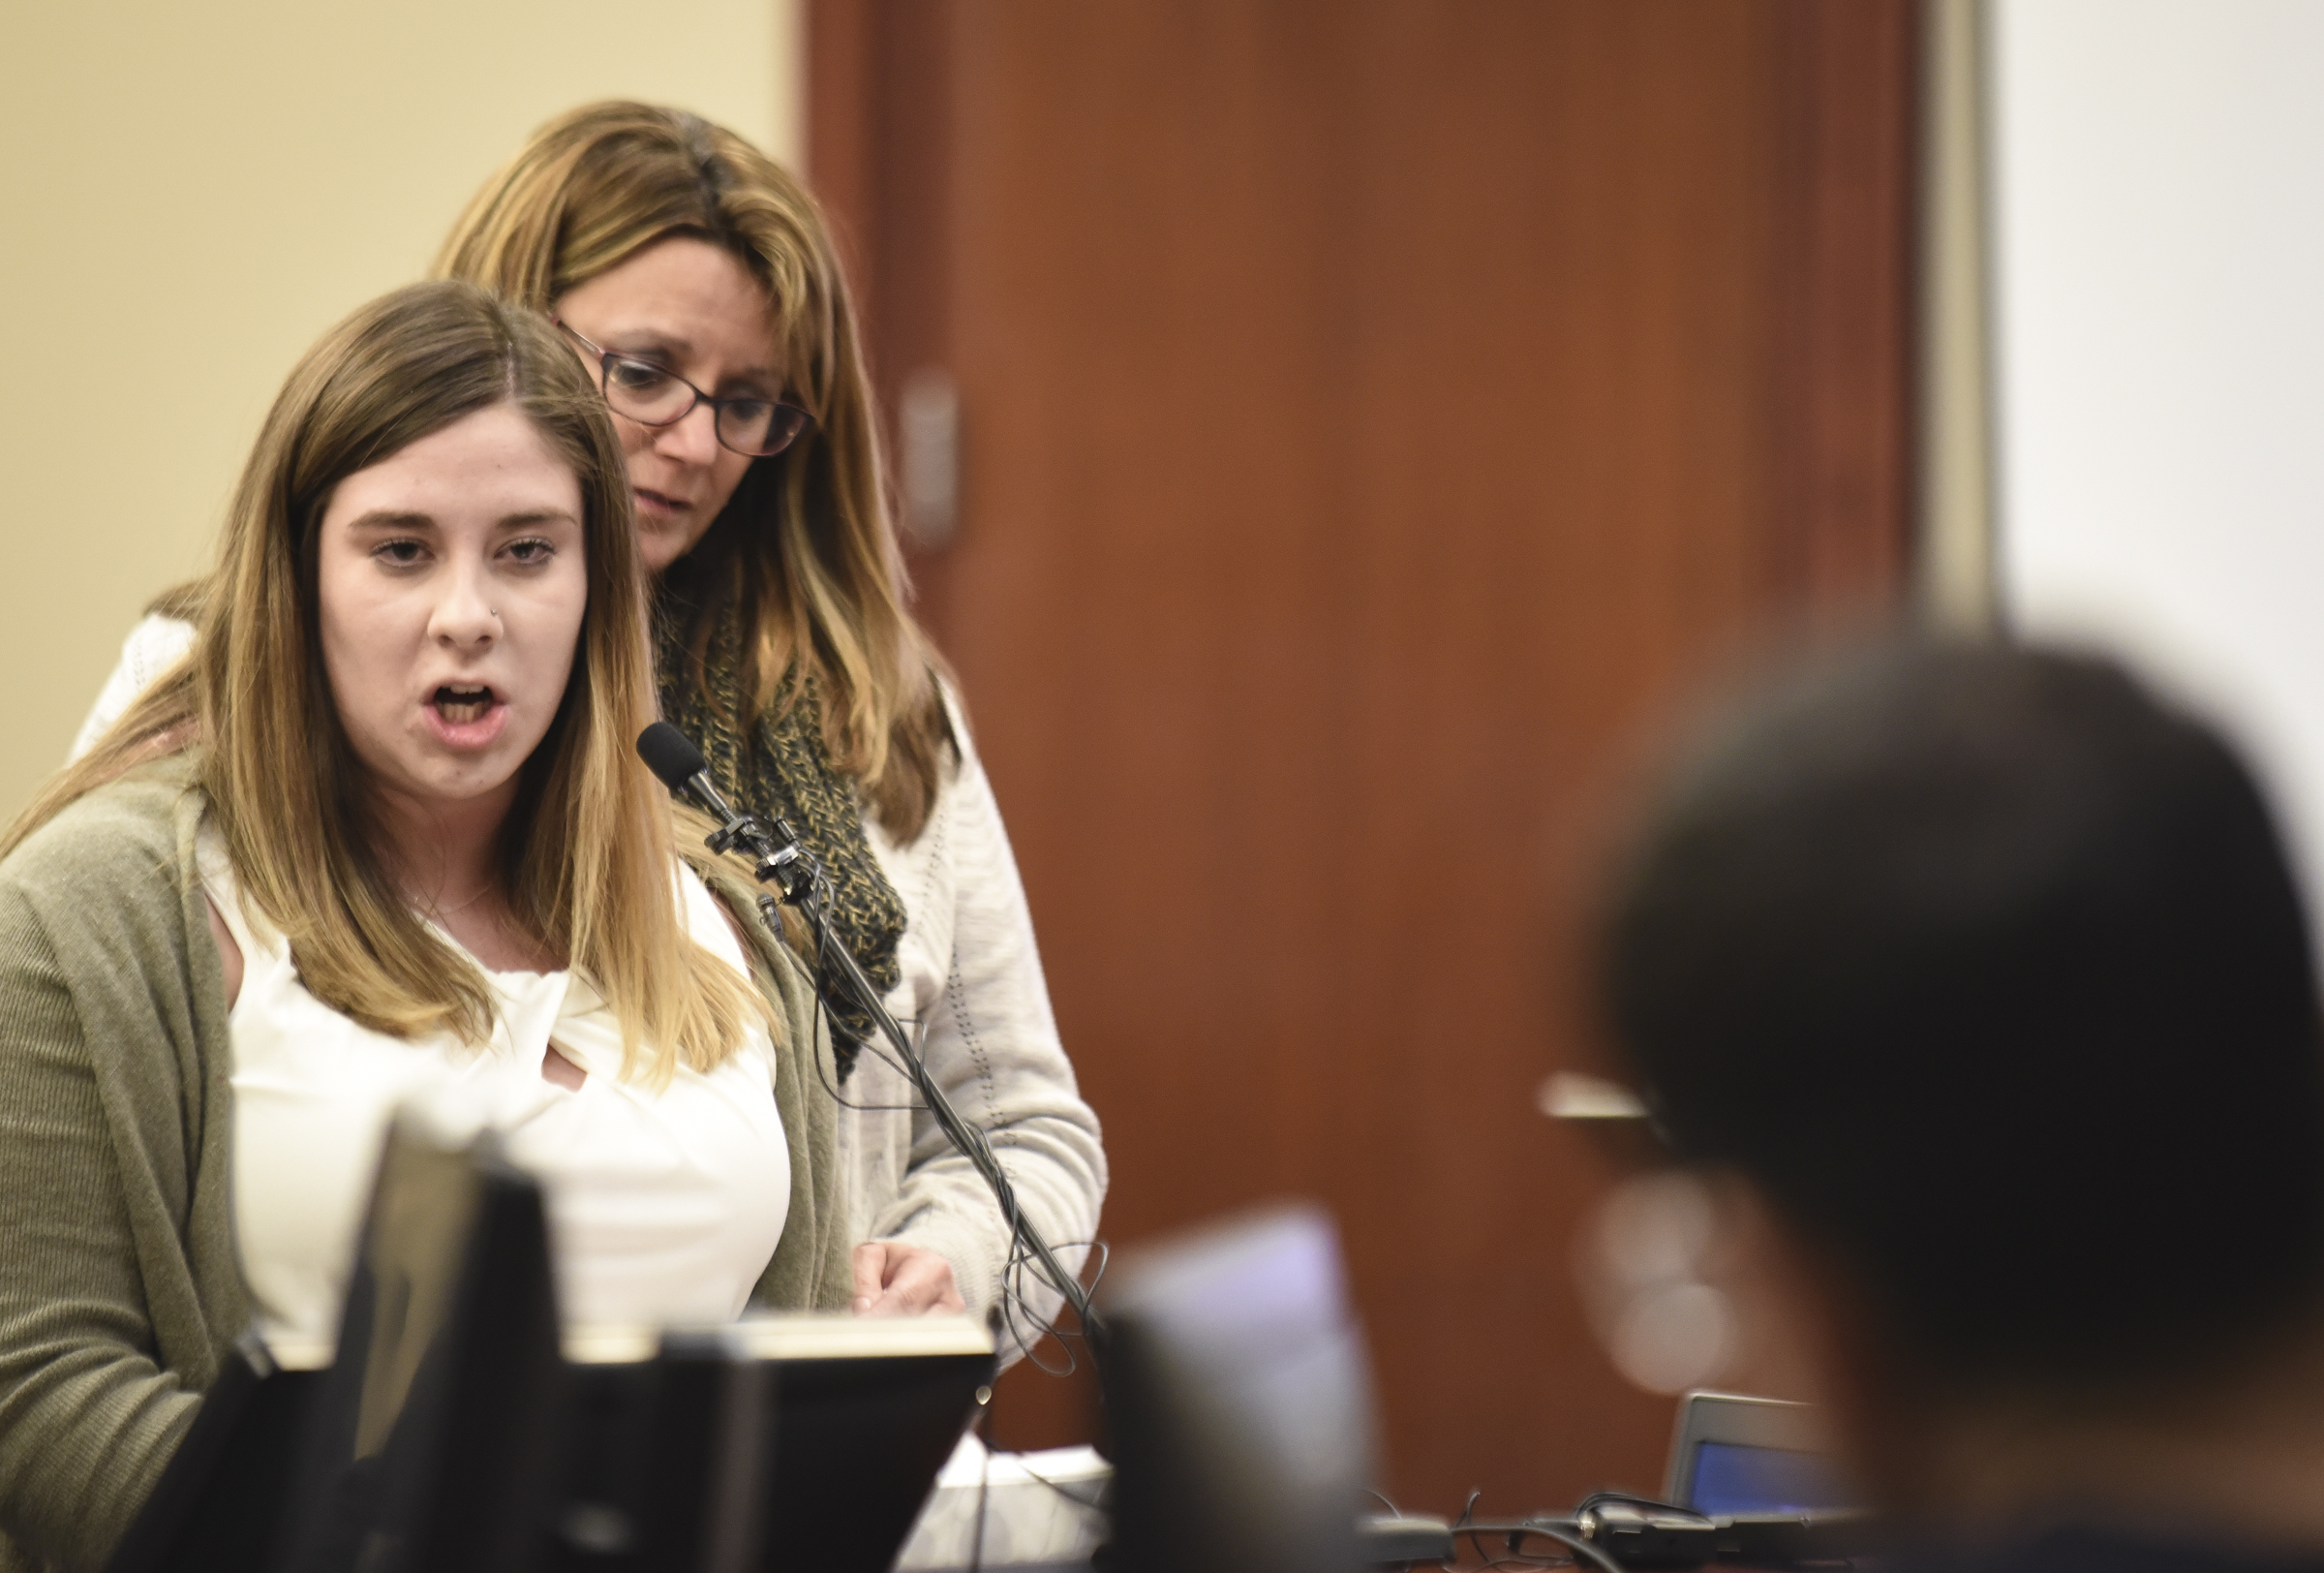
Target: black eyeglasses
655,396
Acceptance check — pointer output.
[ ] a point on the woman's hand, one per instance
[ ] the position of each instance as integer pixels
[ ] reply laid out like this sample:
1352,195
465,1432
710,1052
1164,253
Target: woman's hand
896,1279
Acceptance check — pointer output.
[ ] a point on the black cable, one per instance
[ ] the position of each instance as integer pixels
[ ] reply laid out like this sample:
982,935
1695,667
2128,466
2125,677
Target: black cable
1455,1529
1490,1561
1466,1509
1513,1533
824,988
1014,1303
823,1073
1094,1505
1653,1504
824,1016
807,894
1579,1547
1034,1330
984,1490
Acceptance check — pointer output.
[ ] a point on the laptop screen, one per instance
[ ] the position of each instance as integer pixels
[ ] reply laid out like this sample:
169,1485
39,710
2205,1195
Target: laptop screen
1733,1478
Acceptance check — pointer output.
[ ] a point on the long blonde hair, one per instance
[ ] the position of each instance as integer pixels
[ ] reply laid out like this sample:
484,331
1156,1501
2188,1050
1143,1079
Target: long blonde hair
585,855
808,543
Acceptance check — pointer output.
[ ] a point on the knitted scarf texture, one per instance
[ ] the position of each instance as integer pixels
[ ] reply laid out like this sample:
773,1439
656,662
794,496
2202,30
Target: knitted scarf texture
782,768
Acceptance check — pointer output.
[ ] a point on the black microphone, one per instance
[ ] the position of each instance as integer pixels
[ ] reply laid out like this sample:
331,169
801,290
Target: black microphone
783,862
672,756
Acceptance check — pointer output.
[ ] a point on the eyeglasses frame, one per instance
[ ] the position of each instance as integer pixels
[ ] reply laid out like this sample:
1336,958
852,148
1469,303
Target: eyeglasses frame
718,406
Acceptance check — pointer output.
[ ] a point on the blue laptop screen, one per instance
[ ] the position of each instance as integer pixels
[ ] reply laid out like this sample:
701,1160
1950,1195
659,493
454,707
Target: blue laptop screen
1730,1479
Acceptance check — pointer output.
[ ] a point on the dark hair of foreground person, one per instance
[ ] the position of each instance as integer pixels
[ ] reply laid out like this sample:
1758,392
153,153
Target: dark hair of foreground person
1986,967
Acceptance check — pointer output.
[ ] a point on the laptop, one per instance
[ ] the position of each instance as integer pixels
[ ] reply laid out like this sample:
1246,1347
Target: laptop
1734,1455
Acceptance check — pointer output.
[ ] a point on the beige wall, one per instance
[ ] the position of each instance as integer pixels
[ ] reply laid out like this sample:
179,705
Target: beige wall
190,193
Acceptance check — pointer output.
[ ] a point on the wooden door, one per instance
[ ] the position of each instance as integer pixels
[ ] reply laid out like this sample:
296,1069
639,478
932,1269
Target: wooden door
1372,414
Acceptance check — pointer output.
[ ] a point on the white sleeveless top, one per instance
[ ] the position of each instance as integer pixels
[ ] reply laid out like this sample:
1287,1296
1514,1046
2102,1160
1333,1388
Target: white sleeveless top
663,1207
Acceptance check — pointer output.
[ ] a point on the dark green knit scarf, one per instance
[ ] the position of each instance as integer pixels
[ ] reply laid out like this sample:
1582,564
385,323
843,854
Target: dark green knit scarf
783,768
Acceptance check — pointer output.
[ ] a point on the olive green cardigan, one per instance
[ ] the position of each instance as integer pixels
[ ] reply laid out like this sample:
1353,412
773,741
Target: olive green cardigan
120,1290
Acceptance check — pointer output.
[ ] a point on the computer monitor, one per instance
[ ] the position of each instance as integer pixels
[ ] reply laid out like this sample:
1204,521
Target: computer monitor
786,1443
1238,1401
219,1506
432,1439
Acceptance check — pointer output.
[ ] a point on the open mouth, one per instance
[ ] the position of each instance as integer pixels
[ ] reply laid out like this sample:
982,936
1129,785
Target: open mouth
461,703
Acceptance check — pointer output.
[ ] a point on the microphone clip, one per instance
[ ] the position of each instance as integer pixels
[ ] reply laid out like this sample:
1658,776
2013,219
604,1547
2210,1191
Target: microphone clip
781,861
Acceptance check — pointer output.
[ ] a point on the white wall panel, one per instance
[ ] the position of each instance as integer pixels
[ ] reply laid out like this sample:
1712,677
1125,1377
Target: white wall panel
2159,283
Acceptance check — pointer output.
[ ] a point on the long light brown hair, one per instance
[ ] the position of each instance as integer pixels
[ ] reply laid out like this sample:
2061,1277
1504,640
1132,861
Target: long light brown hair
586,854
808,543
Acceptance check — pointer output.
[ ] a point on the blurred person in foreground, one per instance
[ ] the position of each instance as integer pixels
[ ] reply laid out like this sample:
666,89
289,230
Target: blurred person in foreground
1975,979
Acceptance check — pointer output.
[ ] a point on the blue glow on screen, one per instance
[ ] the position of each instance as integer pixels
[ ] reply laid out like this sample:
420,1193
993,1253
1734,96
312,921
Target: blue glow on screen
1730,1479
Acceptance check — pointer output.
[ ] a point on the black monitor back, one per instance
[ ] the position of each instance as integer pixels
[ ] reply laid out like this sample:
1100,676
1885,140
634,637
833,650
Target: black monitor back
857,1447
220,1505
1238,1401
855,1416
432,1439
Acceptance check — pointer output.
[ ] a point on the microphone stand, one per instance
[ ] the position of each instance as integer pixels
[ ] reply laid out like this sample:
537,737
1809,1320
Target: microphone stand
786,866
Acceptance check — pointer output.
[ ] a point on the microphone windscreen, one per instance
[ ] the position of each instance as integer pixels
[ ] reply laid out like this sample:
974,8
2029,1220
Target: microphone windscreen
670,755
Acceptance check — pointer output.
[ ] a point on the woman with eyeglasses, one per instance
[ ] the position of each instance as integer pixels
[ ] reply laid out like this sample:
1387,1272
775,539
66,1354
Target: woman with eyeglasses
382,837
697,282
